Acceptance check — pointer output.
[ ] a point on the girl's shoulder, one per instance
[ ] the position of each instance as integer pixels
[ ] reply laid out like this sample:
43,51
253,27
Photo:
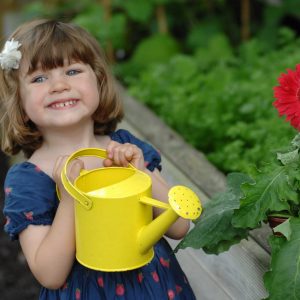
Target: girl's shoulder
27,180
24,172
151,155
30,198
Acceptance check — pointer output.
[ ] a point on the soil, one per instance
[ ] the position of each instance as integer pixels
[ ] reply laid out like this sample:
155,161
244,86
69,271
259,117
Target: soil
16,280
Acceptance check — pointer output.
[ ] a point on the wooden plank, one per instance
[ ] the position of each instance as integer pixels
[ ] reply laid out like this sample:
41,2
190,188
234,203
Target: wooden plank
204,283
237,273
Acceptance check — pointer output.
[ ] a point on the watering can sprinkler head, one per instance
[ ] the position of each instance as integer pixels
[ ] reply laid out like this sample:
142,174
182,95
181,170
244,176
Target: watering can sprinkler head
184,202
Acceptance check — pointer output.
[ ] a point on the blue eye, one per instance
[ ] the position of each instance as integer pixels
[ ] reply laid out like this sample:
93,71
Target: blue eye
73,72
38,79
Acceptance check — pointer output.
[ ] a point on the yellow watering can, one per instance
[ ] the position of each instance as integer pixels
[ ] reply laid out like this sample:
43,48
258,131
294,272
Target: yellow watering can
113,214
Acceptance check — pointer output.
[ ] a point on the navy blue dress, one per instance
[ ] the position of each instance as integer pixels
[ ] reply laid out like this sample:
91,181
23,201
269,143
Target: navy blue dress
30,198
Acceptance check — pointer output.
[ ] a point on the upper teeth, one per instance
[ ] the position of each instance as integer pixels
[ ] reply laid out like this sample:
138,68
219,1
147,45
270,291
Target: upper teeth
63,104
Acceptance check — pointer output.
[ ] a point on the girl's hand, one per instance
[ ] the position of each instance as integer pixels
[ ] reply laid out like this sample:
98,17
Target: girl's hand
123,154
73,172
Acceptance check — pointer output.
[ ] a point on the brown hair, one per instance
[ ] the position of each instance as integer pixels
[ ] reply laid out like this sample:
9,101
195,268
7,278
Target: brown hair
46,44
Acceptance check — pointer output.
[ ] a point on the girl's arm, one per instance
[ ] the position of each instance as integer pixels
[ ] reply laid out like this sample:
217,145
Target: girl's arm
122,154
50,250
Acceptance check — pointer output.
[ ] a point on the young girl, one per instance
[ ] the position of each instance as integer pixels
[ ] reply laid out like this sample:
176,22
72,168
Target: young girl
58,96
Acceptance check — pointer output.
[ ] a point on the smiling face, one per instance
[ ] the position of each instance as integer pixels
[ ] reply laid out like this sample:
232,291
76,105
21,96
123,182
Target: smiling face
48,87
60,97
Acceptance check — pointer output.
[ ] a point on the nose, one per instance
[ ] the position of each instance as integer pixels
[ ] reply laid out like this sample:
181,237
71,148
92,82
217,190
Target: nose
59,83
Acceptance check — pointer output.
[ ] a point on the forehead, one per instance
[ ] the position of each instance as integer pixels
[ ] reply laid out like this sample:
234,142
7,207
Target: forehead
55,49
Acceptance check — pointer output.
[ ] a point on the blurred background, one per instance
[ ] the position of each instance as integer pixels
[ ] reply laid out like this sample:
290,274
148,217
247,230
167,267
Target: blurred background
207,68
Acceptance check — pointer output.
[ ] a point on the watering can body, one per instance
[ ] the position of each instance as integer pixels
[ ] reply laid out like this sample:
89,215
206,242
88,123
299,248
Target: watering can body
107,233
114,226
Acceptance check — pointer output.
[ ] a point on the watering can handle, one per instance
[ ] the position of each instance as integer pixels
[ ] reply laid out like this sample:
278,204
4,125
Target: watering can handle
70,188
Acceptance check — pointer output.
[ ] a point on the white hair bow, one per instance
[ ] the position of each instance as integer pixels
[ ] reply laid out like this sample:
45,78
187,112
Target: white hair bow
10,56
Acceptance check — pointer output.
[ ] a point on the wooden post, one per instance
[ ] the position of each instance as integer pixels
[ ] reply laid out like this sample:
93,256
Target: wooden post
245,20
209,5
5,6
162,19
107,16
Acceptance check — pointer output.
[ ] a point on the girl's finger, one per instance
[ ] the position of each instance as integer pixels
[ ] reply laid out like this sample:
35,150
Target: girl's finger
107,162
128,153
110,148
122,158
59,163
74,169
117,156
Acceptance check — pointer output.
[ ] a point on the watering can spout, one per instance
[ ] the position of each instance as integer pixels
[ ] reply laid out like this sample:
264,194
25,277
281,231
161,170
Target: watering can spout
151,233
182,203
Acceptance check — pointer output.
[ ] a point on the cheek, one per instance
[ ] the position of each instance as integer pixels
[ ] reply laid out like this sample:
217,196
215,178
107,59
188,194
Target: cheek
94,94
28,104
96,99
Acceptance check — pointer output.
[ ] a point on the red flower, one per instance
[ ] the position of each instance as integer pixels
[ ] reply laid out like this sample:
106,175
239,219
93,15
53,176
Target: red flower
120,290
165,262
171,294
155,276
287,96
140,277
77,294
29,215
100,281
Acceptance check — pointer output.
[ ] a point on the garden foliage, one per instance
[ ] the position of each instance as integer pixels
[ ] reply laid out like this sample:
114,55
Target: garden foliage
220,100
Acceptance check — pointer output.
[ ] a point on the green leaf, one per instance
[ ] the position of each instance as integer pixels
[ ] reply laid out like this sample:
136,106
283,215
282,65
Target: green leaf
213,231
288,157
272,190
117,30
92,19
139,10
296,141
157,48
284,228
224,245
283,279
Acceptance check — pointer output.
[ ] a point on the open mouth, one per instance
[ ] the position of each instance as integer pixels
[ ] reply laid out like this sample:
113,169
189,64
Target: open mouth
63,104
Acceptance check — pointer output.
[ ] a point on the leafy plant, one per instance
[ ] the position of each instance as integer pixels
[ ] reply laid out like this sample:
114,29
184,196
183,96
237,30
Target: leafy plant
219,100
248,202
251,199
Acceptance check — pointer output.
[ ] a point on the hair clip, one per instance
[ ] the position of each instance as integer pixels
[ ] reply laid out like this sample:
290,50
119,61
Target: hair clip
10,56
